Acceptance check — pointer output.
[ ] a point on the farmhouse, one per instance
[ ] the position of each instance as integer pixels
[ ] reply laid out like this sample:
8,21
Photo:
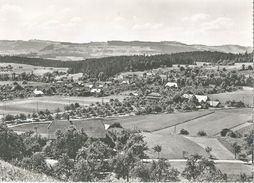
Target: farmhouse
171,84
153,96
95,91
213,103
38,93
125,82
201,98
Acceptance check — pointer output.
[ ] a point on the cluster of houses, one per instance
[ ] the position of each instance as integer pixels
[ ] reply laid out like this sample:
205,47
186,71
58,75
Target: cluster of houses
7,68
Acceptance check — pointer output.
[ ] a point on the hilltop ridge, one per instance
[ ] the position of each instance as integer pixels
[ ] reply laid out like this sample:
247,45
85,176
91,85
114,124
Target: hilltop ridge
79,51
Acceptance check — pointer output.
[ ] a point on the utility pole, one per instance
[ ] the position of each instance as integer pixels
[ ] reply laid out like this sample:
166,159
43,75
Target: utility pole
253,96
37,107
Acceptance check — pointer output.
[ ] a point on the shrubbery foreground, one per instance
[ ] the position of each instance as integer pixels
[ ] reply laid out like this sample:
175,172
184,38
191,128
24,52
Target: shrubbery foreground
79,158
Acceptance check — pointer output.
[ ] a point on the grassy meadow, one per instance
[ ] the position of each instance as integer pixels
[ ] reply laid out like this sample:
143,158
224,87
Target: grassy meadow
245,96
154,122
212,124
30,105
37,70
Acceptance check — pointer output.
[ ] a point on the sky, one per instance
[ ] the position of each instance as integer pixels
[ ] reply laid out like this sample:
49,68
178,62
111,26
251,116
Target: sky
210,22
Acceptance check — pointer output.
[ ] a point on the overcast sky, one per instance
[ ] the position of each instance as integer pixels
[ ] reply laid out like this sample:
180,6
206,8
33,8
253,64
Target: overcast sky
210,22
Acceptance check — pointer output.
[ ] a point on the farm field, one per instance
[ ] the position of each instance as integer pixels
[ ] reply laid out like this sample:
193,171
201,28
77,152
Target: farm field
48,129
218,150
51,103
246,128
173,146
29,83
40,127
228,67
245,96
212,124
37,70
155,122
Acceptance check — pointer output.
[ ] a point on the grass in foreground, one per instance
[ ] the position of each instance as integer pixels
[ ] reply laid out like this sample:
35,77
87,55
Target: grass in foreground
9,172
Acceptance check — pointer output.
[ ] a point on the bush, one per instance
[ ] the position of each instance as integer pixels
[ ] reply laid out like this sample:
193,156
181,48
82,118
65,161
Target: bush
243,157
184,132
11,144
9,117
224,132
115,125
234,134
36,163
202,133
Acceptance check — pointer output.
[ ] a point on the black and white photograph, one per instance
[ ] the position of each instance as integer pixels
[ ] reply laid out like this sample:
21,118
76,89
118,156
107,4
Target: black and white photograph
126,91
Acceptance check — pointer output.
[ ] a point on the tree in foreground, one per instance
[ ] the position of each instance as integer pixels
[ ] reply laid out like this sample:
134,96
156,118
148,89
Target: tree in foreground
161,171
64,168
11,144
157,171
68,143
201,169
157,149
208,151
83,171
131,147
36,163
237,149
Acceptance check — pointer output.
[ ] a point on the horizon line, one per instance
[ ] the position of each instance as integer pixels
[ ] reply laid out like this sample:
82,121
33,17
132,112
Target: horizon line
189,44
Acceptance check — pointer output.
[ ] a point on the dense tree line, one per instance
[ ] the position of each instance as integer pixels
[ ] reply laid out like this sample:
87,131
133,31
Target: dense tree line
113,65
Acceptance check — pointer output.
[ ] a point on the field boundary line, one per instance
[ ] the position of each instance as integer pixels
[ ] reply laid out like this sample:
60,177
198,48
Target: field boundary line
185,121
45,122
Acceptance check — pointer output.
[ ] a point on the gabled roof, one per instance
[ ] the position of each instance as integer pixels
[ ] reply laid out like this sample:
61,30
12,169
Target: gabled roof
213,103
153,94
38,92
95,90
171,84
200,98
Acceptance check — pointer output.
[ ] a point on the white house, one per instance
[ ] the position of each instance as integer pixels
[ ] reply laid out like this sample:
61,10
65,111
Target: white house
38,92
171,84
213,103
95,90
200,98
188,96
125,82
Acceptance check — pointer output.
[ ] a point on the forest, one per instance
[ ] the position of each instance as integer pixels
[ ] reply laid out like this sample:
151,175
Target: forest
113,65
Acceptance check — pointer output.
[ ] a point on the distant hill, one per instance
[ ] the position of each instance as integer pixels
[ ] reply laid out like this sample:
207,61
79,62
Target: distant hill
9,172
79,51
